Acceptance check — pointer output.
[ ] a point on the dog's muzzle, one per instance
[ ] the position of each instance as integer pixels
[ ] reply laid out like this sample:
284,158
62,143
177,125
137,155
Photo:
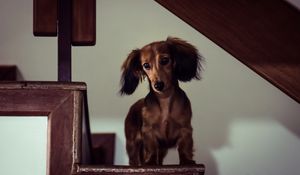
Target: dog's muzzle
159,85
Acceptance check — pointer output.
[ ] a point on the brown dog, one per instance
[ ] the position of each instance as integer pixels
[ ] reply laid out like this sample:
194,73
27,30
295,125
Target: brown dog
162,119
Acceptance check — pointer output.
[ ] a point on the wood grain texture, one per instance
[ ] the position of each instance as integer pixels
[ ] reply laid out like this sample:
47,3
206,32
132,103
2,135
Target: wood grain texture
61,103
42,85
45,17
65,105
145,170
83,22
264,35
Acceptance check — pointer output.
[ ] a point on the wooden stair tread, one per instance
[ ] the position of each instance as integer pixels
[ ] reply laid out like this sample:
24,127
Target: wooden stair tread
42,85
198,169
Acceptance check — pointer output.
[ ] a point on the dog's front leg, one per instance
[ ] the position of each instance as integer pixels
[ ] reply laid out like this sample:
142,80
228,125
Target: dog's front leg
134,150
151,149
134,143
185,147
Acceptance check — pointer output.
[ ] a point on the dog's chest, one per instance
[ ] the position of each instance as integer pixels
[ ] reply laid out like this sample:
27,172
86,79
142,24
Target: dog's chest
165,110
161,119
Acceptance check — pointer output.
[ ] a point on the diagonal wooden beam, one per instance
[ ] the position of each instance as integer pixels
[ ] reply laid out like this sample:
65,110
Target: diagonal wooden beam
264,35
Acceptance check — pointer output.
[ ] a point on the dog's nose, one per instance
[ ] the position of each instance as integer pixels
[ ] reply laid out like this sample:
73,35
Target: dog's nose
159,85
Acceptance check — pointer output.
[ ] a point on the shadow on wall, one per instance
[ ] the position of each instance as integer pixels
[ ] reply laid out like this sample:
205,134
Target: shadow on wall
223,122
20,76
289,119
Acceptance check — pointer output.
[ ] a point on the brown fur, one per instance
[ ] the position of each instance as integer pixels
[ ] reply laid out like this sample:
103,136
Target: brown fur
162,119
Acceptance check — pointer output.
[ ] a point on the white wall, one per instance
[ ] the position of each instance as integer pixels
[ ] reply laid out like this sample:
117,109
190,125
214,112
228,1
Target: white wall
23,152
242,124
295,3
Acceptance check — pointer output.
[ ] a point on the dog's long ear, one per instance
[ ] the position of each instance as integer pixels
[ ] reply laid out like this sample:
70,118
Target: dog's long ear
131,73
187,59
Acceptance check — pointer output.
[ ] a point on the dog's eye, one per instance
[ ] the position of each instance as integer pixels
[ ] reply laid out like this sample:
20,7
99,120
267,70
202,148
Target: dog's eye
164,61
146,66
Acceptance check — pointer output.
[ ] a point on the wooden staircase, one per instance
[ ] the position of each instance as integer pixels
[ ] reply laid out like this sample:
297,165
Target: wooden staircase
69,138
64,103
264,35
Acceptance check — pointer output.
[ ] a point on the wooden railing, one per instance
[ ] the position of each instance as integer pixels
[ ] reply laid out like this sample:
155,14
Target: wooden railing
69,138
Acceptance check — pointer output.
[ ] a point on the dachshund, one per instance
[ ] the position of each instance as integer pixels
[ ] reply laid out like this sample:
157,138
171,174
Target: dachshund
162,119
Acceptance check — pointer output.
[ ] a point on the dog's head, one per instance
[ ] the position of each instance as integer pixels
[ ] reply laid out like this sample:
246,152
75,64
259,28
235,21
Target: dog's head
163,63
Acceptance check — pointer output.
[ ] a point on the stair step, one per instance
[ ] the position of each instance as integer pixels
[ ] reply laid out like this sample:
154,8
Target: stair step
198,169
103,148
8,73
